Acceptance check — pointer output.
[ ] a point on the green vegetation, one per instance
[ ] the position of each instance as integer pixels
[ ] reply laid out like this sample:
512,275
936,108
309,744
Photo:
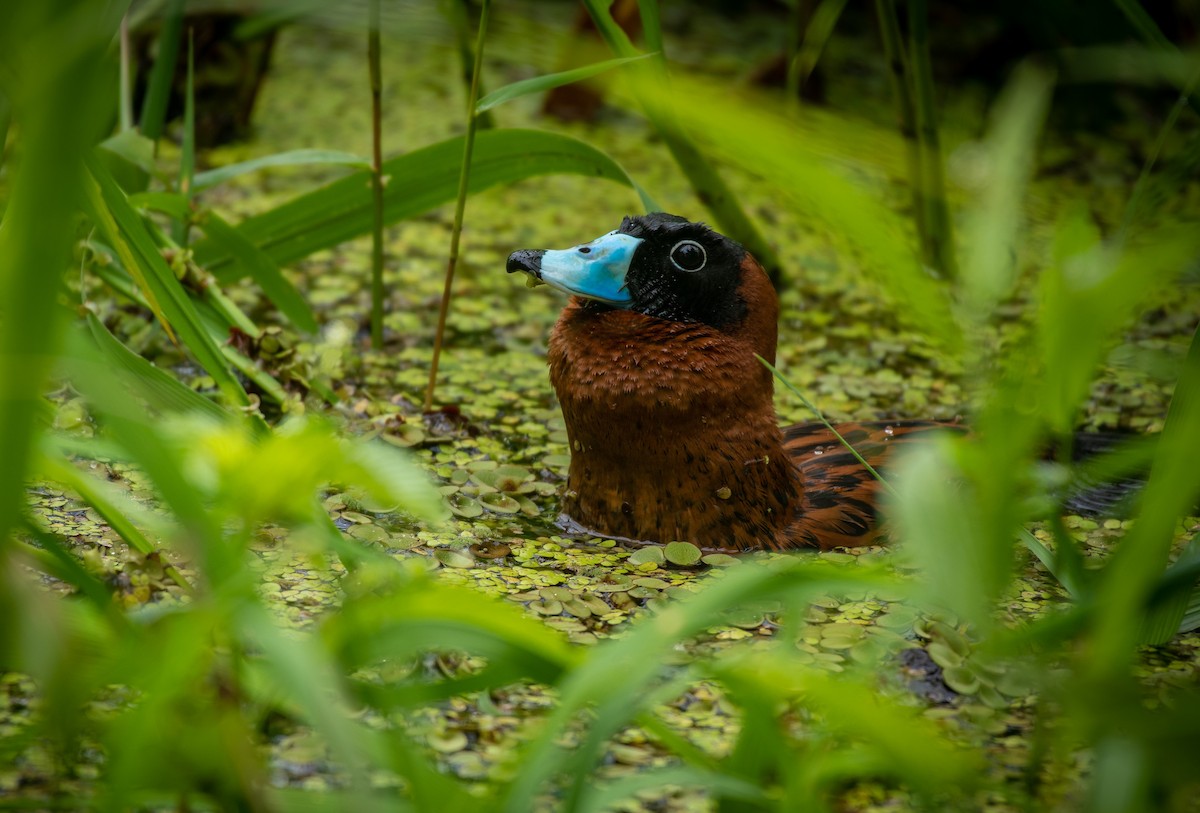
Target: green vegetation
225,587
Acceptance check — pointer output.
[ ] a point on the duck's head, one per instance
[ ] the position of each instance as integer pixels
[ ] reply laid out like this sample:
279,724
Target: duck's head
661,266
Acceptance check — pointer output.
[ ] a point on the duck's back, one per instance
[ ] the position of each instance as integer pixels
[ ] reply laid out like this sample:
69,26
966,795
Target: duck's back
839,506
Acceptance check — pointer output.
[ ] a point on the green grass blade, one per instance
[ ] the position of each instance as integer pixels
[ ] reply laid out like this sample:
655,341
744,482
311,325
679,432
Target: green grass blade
158,87
540,83
292,158
651,25
187,156
460,205
5,121
994,223
1173,597
821,417
1172,491
109,504
57,561
419,181
309,679
257,265
654,95
940,233
383,625
122,226
816,36
161,390
57,106
169,203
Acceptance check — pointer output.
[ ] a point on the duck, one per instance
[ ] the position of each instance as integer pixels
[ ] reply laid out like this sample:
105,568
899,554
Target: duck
670,413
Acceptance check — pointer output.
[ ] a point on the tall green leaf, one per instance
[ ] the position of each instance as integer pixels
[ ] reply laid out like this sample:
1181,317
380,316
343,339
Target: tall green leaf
162,74
417,182
258,265
291,158
538,84
121,225
55,50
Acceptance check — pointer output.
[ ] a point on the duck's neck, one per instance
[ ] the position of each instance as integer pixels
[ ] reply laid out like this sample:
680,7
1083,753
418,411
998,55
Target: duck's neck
672,429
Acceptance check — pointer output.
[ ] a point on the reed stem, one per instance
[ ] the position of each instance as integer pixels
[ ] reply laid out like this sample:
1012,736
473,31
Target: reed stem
373,60
460,206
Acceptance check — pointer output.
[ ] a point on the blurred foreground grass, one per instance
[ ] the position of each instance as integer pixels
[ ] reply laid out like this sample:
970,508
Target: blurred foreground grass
369,669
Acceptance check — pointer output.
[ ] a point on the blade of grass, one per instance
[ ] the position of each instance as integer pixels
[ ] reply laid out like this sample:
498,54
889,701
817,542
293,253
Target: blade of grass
994,222
258,265
821,417
5,121
57,561
377,293
105,501
937,210
187,154
811,174
458,12
219,175
1174,594
57,104
418,181
1171,491
162,73
160,389
552,80
125,76
816,36
123,227
460,205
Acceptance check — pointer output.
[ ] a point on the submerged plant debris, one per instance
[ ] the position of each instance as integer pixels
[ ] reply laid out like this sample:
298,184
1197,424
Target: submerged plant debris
498,452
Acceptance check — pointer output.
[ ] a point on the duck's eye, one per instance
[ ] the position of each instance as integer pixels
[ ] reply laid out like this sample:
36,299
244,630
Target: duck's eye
688,255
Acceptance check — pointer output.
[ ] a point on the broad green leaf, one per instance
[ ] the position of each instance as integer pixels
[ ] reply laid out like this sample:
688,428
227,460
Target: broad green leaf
170,203
219,175
62,564
187,157
125,231
1173,598
1172,491
160,389
256,264
419,613
54,102
993,229
540,83
416,182
141,437
129,156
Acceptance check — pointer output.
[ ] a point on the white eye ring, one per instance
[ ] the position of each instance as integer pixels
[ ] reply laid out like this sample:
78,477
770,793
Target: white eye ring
703,255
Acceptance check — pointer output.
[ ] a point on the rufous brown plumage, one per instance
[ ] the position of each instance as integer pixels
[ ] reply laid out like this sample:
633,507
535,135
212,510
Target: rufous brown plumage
669,413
